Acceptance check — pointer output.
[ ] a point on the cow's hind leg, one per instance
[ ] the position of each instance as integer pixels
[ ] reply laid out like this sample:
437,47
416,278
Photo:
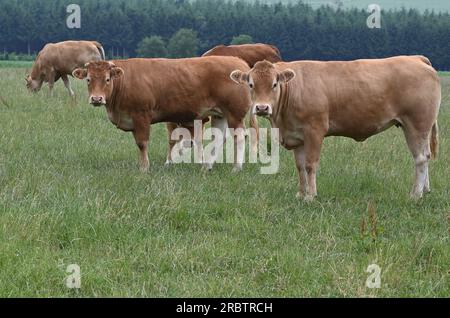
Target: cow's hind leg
419,145
221,125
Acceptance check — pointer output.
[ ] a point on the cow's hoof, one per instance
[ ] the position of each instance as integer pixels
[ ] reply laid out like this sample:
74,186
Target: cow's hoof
236,169
416,196
168,162
309,198
143,169
299,195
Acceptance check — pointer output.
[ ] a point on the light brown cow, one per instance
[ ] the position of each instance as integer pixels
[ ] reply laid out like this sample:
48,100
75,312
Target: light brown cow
310,100
250,53
141,92
57,60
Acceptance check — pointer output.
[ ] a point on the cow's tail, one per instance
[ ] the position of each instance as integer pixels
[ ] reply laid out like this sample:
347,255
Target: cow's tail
434,141
100,49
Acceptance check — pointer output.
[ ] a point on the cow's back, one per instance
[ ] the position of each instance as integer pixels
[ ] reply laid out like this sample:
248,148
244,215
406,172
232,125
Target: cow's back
65,56
250,53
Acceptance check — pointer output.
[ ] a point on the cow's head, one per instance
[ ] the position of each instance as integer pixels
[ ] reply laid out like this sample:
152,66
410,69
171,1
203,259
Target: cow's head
264,83
99,77
33,85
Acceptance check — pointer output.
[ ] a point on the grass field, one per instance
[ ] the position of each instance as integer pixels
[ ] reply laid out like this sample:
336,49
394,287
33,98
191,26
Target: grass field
71,193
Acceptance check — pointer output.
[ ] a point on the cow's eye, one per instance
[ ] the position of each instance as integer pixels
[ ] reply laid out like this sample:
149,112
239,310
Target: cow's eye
251,85
108,80
88,80
275,85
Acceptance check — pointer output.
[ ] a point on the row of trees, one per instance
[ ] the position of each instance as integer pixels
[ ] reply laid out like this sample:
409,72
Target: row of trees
298,30
184,43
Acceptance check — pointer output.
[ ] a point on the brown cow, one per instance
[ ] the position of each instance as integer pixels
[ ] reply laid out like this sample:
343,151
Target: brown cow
250,53
310,100
57,60
141,92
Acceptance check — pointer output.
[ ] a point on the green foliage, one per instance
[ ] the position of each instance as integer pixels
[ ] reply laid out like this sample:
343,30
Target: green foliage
153,46
13,56
242,39
184,43
299,30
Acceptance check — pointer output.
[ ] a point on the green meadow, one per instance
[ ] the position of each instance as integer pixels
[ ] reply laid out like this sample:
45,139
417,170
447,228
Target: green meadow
71,193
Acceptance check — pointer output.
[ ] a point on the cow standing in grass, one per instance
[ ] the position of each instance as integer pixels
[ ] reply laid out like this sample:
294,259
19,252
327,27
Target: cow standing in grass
58,60
250,53
310,100
141,92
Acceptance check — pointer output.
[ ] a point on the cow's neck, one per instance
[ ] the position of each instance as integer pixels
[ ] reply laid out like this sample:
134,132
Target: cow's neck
279,109
113,105
114,102
278,119
37,71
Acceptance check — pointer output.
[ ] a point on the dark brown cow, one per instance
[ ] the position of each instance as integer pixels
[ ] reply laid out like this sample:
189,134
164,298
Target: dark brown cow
250,53
57,60
310,100
141,92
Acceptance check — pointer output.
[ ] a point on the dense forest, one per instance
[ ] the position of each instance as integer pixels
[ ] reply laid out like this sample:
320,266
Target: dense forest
299,30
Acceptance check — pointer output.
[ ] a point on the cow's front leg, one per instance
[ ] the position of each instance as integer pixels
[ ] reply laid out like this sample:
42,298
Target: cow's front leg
300,162
51,83
141,135
67,84
312,147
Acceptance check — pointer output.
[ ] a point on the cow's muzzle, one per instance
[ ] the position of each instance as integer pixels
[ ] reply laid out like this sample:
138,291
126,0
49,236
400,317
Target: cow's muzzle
97,100
262,110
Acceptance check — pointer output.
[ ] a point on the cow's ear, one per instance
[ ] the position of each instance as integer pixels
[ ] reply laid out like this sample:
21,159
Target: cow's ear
80,73
286,76
239,77
116,72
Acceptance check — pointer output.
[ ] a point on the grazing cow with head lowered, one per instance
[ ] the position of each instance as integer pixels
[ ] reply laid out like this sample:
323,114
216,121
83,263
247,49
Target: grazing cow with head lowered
310,100
141,92
57,60
250,53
